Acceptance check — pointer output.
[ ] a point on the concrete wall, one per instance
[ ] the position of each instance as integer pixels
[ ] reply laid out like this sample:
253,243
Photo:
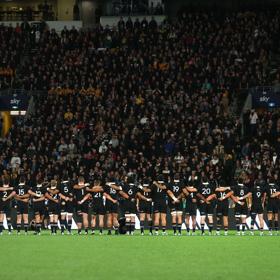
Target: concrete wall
65,9
113,20
88,8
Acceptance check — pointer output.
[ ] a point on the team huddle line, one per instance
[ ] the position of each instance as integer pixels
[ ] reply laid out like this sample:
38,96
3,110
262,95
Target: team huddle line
99,203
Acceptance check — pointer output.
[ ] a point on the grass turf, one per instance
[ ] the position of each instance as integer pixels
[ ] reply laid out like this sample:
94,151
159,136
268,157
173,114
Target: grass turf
139,257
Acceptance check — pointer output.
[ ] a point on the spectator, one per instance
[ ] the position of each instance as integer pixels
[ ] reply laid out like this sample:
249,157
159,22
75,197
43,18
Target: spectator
144,99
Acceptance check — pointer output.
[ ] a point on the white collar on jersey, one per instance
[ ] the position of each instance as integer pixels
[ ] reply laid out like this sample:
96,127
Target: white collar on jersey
271,184
205,183
176,181
21,184
39,185
64,182
241,185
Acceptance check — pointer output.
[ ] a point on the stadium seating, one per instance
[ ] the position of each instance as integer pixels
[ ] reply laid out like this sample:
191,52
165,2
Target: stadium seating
143,98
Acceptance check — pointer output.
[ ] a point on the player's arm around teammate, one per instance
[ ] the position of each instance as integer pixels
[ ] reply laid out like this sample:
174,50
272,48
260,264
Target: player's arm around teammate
206,194
175,193
6,194
98,208
37,194
52,195
223,194
160,207
22,198
82,206
145,207
190,192
112,207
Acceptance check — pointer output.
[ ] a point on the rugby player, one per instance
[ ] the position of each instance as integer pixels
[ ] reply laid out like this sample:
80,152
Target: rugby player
22,198
190,192
98,207
37,194
6,194
159,190
206,194
223,193
66,204
145,207
52,195
239,196
175,194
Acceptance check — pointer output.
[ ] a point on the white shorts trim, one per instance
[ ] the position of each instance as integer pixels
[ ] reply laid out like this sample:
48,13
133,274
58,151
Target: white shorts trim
176,213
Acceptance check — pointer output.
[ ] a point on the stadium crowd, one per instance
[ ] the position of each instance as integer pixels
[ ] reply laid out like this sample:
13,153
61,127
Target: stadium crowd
145,99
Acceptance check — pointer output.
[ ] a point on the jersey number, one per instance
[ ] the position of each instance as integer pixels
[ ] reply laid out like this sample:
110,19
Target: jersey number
66,190
175,188
112,191
130,192
5,194
258,194
97,195
241,192
206,191
272,191
223,194
21,192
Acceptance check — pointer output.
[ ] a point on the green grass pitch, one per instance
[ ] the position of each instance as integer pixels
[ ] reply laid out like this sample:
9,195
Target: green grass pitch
139,257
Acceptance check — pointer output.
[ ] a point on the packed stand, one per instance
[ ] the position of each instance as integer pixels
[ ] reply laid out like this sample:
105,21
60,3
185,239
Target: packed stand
151,100
10,51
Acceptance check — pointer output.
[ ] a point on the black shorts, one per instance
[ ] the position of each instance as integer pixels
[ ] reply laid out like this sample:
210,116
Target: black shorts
129,207
257,209
82,208
22,208
206,209
145,207
111,207
5,208
39,208
272,206
160,206
191,208
222,208
241,210
98,208
54,209
66,206
176,207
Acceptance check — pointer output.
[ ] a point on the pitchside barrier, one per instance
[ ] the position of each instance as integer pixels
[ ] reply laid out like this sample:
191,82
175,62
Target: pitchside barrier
137,223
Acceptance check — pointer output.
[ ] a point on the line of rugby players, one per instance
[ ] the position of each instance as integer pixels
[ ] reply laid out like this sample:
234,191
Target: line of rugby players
102,202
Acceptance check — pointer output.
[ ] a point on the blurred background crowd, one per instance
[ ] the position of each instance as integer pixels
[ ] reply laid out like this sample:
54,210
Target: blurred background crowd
142,97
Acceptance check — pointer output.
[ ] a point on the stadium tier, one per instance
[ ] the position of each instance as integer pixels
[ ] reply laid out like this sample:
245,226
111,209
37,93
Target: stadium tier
137,124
